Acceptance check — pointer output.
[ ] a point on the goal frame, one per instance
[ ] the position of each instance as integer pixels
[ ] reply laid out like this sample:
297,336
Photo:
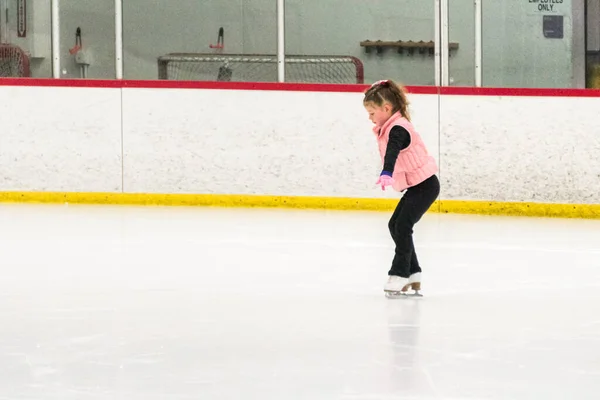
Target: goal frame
6,51
164,60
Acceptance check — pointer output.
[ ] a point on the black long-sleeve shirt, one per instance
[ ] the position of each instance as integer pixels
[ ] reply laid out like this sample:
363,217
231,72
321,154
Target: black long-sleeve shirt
399,139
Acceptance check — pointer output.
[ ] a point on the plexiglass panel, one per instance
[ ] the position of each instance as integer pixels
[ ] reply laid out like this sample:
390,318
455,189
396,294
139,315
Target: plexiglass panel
87,39
461,35
530,44
200,40
388,38
25,39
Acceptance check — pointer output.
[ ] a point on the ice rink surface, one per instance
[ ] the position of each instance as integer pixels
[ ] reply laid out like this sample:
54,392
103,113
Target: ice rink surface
207,303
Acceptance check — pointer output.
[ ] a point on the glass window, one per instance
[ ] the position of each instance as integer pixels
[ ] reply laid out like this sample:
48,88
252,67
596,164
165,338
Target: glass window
461,37
385,39
533,44
87,39
25,39
206,40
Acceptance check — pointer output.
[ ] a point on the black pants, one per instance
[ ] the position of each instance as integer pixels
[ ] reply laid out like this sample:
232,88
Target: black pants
415,202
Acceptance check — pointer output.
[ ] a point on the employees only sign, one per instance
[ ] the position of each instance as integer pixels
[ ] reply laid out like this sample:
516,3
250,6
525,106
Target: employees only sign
547,5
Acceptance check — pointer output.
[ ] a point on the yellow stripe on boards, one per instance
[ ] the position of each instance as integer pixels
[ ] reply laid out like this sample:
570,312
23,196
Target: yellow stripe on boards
216,200
591,211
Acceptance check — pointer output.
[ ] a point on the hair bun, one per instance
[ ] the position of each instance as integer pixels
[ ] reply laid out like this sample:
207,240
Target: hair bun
382,83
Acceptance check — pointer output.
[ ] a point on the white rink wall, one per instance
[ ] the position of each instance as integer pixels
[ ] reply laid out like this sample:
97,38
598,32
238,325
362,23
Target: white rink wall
60,139
249,142
533,149
208,141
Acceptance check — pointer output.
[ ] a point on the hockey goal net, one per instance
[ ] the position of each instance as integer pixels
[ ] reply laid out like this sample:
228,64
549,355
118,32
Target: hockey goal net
14,63
259,68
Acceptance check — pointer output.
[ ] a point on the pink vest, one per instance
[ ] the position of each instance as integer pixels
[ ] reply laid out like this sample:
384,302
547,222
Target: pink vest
414,164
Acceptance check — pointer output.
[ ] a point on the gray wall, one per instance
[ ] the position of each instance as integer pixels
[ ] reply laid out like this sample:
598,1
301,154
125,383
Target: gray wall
515,52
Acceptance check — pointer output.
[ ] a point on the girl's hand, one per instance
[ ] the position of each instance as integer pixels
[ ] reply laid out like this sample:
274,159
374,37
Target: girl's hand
385,180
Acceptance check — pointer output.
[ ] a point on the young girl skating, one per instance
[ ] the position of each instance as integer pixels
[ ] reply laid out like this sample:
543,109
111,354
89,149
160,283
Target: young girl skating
406,166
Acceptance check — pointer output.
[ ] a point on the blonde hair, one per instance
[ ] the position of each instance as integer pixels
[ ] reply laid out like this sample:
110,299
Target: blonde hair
391,92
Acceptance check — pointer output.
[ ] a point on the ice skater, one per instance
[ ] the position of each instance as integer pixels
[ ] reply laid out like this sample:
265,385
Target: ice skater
407,166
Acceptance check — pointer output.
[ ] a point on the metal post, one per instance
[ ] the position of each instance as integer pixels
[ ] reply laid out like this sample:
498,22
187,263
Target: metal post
280,41
437,55
4,22
55,22
478,43
119,39
445,50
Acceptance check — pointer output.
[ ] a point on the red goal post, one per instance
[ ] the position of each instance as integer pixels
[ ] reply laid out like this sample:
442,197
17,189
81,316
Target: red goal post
14,62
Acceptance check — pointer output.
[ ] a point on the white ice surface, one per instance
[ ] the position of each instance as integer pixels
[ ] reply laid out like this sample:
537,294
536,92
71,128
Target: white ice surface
200,303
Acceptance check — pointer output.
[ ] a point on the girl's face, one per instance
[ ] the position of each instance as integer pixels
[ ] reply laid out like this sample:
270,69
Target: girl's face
379,114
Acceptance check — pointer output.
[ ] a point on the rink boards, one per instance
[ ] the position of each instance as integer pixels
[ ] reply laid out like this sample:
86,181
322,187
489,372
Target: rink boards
500,151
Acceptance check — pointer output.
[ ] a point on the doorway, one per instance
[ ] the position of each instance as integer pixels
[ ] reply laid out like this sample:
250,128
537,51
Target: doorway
592,43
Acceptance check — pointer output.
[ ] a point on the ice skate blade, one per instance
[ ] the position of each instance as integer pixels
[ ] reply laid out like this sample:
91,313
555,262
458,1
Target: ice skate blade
401,295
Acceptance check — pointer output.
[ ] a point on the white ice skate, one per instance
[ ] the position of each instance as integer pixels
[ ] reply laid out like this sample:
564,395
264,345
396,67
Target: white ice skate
395,284
414,283
398,287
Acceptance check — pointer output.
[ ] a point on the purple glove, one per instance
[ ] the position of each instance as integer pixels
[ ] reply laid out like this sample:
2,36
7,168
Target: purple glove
385,180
